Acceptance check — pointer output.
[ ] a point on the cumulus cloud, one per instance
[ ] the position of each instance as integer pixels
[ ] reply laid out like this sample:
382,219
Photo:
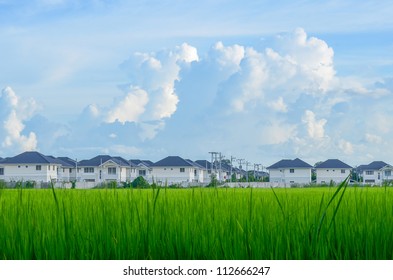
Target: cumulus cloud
315,128
15,111
151,94
274,100
130,107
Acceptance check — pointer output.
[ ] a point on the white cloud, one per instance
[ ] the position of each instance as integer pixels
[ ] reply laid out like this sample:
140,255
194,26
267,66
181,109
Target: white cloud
346,147
14,112
276,132
150,130
315,128
228,57
373,139
130,108
279,105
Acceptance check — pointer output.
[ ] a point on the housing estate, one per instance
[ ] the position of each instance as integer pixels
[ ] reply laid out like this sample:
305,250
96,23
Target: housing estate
34,166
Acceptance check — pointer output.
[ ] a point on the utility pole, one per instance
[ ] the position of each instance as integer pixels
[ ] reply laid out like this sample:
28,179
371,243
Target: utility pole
221,157
240,161
214,163
247,163
232,158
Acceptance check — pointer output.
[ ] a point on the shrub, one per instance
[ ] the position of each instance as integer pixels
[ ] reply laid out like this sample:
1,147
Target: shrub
140,182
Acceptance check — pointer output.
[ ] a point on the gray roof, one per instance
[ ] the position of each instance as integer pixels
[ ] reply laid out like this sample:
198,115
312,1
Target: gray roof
288,163
204,163
137,162
333,163
68,161
375,165
101,159
173,161
31,158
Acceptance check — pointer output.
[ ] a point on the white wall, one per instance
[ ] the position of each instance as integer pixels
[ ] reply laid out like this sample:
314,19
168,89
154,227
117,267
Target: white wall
172,175
326,175
378,176
300,176
28,172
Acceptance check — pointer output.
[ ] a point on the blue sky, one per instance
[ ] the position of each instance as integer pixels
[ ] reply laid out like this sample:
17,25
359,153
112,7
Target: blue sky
260,80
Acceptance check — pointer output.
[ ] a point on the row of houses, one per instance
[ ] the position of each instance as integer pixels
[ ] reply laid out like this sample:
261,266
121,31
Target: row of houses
333,170
34,166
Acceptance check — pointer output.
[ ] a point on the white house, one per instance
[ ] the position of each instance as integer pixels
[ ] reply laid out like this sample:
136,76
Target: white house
104,168
332,170
141,168
176,170
29,166
288,171
377,172
67,171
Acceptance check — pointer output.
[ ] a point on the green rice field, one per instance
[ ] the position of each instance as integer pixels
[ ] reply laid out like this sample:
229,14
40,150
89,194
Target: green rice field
197,223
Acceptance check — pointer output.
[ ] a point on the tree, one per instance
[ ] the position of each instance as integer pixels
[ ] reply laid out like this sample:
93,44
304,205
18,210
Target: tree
140,182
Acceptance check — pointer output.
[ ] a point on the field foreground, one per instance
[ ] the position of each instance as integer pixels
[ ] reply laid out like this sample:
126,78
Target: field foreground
196,223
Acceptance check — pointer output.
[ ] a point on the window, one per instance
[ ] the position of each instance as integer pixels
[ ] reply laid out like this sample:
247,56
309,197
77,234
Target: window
112,170
369,172
1,171
88,170
38,167
53,168
291,170
195,172
388,173
70,170
63,170
142,172
342,171
182,169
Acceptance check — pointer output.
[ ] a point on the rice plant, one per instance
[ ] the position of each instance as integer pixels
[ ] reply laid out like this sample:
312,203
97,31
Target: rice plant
197,223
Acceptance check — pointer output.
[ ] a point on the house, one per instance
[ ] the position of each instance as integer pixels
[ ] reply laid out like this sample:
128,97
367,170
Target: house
104,168
176,170
377,172
288,171
207,169
67,171
141,168
30,166
332,170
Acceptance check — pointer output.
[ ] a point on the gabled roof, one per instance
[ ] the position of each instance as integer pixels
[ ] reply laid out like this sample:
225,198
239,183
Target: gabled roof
69,161
288,163
61,162
333,163
173,161
359,169
376,165
101,159
195,164
204,163
31,157
138,162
